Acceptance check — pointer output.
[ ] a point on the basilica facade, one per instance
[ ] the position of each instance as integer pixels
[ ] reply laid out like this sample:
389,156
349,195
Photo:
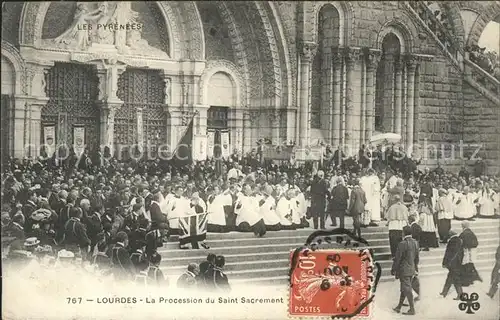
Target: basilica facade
122,74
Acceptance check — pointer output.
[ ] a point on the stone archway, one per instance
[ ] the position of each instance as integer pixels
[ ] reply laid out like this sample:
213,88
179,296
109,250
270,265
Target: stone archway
187,39
19,86
489,13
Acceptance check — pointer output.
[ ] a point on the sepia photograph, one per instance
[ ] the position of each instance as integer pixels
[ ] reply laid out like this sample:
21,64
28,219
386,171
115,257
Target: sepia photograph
250,160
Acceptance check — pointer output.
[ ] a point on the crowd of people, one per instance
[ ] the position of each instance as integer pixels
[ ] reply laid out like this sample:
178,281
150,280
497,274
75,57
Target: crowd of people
116,214
487,60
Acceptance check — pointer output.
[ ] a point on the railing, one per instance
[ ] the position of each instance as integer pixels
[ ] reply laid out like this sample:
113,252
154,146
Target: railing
451,45
448,41
479,75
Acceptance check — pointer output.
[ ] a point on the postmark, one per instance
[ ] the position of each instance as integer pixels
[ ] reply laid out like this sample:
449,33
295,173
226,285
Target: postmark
333,275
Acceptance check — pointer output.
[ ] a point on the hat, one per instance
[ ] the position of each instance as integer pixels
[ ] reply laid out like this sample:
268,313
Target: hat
397,197
41,215
442,191
64,254
30,242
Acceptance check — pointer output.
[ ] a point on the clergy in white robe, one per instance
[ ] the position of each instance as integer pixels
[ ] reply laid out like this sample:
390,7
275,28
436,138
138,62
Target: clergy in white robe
285,210
164,203
371,187
464,205
216,203
267,210
444,209
301,207
246,209
178,207
486,202
282,188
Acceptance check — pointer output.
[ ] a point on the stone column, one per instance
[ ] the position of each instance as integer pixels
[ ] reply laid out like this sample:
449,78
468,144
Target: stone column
337,94
416,104
37,100
307,55
351,129
274,120
247,133
411,63
140,130
108,75
398,89
19,129
35,127
372,60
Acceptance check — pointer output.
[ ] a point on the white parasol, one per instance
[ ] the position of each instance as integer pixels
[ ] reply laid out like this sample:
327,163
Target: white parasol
388,137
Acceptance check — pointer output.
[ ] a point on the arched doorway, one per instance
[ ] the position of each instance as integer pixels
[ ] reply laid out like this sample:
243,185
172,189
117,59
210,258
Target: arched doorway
8,81
388,71
221,98
71,114
143,94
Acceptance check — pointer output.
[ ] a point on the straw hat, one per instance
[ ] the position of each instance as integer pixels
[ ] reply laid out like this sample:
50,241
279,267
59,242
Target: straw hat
31,242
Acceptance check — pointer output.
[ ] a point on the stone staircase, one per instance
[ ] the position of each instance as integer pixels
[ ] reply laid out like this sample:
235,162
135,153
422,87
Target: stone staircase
453,48
266,260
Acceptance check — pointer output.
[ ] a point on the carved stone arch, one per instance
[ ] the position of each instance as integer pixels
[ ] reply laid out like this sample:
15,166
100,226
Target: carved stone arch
488,14
285,57
400,29
14,57
238,47
469,5
33,16
229,68
346,19
195,46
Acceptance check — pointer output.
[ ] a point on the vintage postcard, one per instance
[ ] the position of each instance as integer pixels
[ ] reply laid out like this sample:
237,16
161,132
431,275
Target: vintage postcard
250,160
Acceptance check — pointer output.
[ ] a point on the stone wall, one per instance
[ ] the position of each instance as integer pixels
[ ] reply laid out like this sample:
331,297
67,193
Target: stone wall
482,126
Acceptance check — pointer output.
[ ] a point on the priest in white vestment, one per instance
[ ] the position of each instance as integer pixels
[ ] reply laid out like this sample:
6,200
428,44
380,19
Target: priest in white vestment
216,203
179,206
465,208
285,209
371,187
246,209
301,207
267,209
486,202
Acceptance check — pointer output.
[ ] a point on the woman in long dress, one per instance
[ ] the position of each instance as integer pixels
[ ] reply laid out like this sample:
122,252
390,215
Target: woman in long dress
428,237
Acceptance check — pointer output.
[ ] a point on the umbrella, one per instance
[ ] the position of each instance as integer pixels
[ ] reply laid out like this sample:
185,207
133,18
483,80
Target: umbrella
386,138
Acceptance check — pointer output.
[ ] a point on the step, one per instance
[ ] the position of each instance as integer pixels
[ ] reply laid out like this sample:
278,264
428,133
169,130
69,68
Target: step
277,238
378,246
283,279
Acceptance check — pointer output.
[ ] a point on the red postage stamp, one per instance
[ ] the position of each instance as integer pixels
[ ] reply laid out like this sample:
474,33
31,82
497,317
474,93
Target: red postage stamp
331,282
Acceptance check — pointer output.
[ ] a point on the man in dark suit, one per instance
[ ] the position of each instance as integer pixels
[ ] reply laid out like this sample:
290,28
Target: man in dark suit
319,192
75,234
495,276
416,229
216,278
357,207
157,217
452,261
338,202
404,268
123,268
